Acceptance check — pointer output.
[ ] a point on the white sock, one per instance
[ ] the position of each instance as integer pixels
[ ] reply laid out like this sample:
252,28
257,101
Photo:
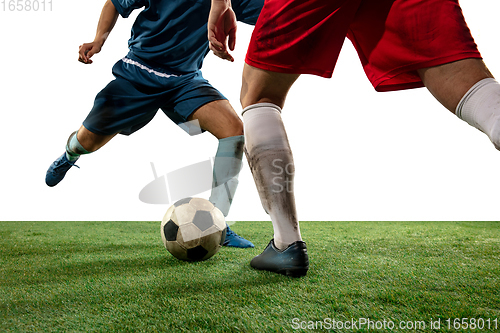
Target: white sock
227,166
74,149
480,107
271,162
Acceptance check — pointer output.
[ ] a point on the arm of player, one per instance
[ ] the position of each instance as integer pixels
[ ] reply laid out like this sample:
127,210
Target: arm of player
107,21
221,27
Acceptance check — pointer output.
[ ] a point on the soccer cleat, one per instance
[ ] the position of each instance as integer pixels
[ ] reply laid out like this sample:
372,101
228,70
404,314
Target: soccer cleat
293,261
234,240
58,169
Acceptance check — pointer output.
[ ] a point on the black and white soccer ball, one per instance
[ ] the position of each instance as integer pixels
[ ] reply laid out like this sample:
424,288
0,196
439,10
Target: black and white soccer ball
193,229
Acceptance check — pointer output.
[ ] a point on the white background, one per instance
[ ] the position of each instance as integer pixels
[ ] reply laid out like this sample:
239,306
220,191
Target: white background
360,155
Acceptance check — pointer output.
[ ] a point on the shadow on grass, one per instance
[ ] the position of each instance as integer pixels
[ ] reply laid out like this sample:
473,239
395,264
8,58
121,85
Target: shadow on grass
137,273
24,266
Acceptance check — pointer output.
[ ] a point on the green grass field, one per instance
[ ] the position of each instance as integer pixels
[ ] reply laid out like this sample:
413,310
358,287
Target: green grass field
118,277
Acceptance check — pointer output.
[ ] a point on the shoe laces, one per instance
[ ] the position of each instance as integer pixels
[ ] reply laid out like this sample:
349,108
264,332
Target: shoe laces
63,162
231,233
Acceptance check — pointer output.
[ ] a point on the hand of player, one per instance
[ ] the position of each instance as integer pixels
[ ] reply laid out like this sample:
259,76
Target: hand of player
87,50
221,26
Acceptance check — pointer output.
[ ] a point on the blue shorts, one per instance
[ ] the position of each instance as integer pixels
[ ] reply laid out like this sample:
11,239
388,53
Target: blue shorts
132,99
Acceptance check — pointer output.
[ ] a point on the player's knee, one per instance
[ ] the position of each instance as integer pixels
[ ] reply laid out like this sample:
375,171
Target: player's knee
255,94
235,129
228,129
262,86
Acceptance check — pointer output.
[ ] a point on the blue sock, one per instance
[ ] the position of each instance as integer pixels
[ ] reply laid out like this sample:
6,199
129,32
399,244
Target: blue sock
74,149
227,166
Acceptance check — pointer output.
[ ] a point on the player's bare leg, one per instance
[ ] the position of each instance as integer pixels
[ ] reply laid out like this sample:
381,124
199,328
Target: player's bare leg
261,86
468,89
270,158
220,119
91,141
448,83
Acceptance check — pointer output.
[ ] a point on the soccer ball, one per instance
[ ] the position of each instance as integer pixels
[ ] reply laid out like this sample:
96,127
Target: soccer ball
193,229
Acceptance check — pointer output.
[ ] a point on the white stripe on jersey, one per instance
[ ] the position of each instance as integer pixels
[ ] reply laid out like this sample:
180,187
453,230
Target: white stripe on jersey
141,66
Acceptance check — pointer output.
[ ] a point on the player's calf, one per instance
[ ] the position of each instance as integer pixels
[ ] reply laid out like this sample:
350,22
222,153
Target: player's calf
271,163
227,166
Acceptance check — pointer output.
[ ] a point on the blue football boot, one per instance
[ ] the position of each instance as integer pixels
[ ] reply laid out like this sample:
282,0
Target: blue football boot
292,261
234,240
58,169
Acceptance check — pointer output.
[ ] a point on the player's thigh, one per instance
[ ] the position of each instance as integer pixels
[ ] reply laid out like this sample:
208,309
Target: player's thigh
219,118
262,86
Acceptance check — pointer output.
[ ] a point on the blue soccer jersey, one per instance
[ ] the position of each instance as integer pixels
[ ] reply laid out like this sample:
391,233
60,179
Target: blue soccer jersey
172,34
162,70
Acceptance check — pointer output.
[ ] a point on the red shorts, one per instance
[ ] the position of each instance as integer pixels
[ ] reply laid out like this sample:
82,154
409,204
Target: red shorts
393,38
